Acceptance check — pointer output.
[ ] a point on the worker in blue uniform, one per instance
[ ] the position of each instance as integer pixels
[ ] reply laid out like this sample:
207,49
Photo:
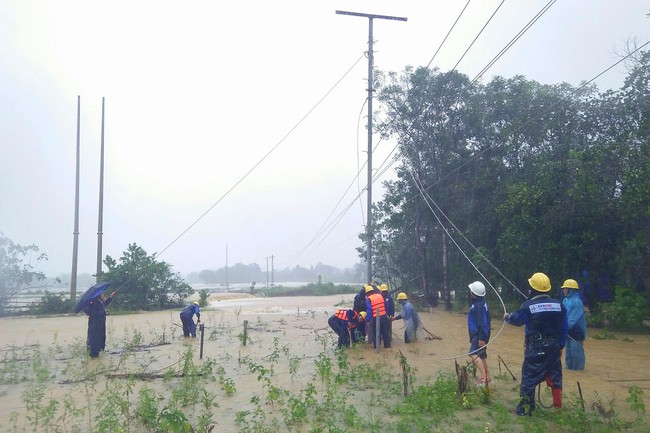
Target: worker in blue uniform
478,326
545,336
187,317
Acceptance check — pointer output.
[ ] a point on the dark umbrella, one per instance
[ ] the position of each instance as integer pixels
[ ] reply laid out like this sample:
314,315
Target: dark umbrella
89,295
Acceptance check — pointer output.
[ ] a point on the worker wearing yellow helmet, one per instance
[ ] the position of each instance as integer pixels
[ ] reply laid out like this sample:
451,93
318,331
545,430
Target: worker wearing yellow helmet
344,322
390,308
376,312
574,352
187,317
545,336
410,317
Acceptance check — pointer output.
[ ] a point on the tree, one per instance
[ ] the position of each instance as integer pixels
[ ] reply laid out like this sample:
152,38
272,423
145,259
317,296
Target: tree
17,271
143,282
537,177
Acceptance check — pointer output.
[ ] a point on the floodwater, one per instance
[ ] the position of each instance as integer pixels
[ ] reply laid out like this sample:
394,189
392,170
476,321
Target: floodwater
298,325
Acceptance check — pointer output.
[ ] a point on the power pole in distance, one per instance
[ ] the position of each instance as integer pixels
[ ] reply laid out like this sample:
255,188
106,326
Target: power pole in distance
369,232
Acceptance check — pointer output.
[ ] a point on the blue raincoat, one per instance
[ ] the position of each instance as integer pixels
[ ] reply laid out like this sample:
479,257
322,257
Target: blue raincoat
577,324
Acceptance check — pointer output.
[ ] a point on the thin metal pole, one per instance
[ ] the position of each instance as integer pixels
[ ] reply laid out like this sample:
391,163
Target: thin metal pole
75,241
227,288
100,223
201,329
377,330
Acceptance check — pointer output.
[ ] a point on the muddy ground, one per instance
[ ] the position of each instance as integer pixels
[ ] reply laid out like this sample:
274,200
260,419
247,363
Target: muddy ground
297,324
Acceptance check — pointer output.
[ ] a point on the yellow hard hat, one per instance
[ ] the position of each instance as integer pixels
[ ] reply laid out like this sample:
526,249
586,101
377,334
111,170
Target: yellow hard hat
401,296
195,303
363,314
383,287
570,284
540,282
369,288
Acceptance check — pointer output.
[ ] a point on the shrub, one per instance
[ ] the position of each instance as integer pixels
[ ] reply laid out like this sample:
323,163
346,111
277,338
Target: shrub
625,313
52,303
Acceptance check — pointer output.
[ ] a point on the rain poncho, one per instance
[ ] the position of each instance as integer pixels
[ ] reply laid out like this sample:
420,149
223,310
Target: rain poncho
96,311
411,321
577,324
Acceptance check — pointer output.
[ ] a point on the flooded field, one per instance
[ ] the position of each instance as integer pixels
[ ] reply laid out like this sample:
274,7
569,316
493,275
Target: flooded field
43,360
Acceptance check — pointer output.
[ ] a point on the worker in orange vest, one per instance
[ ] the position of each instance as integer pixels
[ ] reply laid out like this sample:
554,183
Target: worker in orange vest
375,301
344,322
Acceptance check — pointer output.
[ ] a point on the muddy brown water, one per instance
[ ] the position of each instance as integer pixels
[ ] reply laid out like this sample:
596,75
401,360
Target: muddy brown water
299,325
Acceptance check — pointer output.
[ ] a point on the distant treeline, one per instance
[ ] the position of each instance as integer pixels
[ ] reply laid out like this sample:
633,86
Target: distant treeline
247,274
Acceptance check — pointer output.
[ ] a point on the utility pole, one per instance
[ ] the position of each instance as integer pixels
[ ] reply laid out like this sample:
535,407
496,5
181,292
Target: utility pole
227,288
369,232
272,269
267,271
100,222
75,234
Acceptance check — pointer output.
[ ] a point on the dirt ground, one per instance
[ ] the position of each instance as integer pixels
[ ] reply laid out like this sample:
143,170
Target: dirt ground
297,323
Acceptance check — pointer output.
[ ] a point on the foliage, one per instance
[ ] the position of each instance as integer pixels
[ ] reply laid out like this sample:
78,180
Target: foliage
204,294
535,177
626,312
333,399
18,266
52,303
311,289
144,283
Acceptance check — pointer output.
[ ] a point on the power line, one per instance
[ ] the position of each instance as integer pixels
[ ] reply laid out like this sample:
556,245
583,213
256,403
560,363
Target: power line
448,33
302,119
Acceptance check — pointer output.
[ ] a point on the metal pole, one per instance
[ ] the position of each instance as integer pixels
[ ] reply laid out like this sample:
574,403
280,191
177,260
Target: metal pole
227,287
100,223
75,241
369,231
377,330
201,329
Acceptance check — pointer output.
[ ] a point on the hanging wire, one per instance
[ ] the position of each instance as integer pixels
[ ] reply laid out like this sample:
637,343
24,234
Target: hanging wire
418,185
257,164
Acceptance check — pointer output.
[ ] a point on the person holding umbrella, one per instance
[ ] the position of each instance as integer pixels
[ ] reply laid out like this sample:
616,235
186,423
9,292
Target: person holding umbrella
96,312
189,327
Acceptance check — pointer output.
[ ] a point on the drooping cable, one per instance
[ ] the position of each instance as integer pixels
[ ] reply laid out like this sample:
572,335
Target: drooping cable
257,164
448,33
418,185
479,34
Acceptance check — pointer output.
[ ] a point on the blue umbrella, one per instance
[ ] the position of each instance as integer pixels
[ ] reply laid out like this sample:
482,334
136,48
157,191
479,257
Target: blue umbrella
90,294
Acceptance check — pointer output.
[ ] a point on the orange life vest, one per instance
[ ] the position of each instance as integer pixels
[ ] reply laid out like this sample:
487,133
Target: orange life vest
377,301
343,315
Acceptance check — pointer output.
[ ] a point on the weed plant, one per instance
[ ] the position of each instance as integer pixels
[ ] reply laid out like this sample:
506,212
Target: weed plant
332,395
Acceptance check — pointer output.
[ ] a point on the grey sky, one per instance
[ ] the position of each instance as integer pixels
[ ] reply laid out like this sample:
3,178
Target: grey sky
198,92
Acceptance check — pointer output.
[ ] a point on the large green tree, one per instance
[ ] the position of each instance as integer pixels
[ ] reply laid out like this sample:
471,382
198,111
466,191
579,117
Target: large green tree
144,283
523,177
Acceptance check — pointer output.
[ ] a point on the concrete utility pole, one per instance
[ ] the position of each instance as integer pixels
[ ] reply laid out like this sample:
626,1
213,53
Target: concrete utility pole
100,222
75,234
369,232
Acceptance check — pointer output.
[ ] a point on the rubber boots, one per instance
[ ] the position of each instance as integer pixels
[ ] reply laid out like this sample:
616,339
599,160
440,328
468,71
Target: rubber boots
557,394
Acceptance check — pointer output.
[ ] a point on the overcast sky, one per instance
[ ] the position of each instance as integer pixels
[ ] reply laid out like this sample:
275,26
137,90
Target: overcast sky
198,92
